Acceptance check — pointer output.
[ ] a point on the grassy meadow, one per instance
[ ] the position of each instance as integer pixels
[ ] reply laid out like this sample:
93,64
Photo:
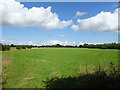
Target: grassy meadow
29,68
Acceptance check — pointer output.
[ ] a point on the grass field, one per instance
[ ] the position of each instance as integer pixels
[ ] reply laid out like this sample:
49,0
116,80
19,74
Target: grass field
28,68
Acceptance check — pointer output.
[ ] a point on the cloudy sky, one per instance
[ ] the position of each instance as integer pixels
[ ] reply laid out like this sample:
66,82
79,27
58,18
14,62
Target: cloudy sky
67,23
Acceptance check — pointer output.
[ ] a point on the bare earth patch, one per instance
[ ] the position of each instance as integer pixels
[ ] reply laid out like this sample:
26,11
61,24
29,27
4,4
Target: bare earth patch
6,60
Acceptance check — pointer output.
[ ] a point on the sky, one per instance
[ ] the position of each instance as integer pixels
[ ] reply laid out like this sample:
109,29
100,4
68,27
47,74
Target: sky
66,23
68,0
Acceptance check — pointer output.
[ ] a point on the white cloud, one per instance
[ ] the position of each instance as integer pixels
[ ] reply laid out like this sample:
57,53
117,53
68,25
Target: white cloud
78,13
50,42
53,42
104,21
75,27
15,14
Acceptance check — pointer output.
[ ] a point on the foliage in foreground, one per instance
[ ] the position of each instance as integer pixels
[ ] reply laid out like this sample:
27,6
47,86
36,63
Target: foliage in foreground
91,80
96,79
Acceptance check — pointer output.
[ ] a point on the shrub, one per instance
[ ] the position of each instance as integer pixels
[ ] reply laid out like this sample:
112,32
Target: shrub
5,47
29,47
23,47
18,47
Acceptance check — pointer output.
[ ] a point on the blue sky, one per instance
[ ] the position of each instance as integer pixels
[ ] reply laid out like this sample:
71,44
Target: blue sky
68,0
65,11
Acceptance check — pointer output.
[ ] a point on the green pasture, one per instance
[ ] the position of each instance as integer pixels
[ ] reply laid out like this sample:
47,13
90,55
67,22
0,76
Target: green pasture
29,68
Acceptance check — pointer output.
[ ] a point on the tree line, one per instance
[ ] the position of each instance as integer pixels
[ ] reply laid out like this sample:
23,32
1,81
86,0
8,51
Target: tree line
97,46
103,46
19,47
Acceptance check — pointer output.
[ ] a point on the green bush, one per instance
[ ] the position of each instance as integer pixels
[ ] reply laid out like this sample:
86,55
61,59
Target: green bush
5,47
18,47
29,47
23,47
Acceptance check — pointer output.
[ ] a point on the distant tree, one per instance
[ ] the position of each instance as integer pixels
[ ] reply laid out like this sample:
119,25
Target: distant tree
80,46
104,46
76,46
85,45
58,45
12,45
